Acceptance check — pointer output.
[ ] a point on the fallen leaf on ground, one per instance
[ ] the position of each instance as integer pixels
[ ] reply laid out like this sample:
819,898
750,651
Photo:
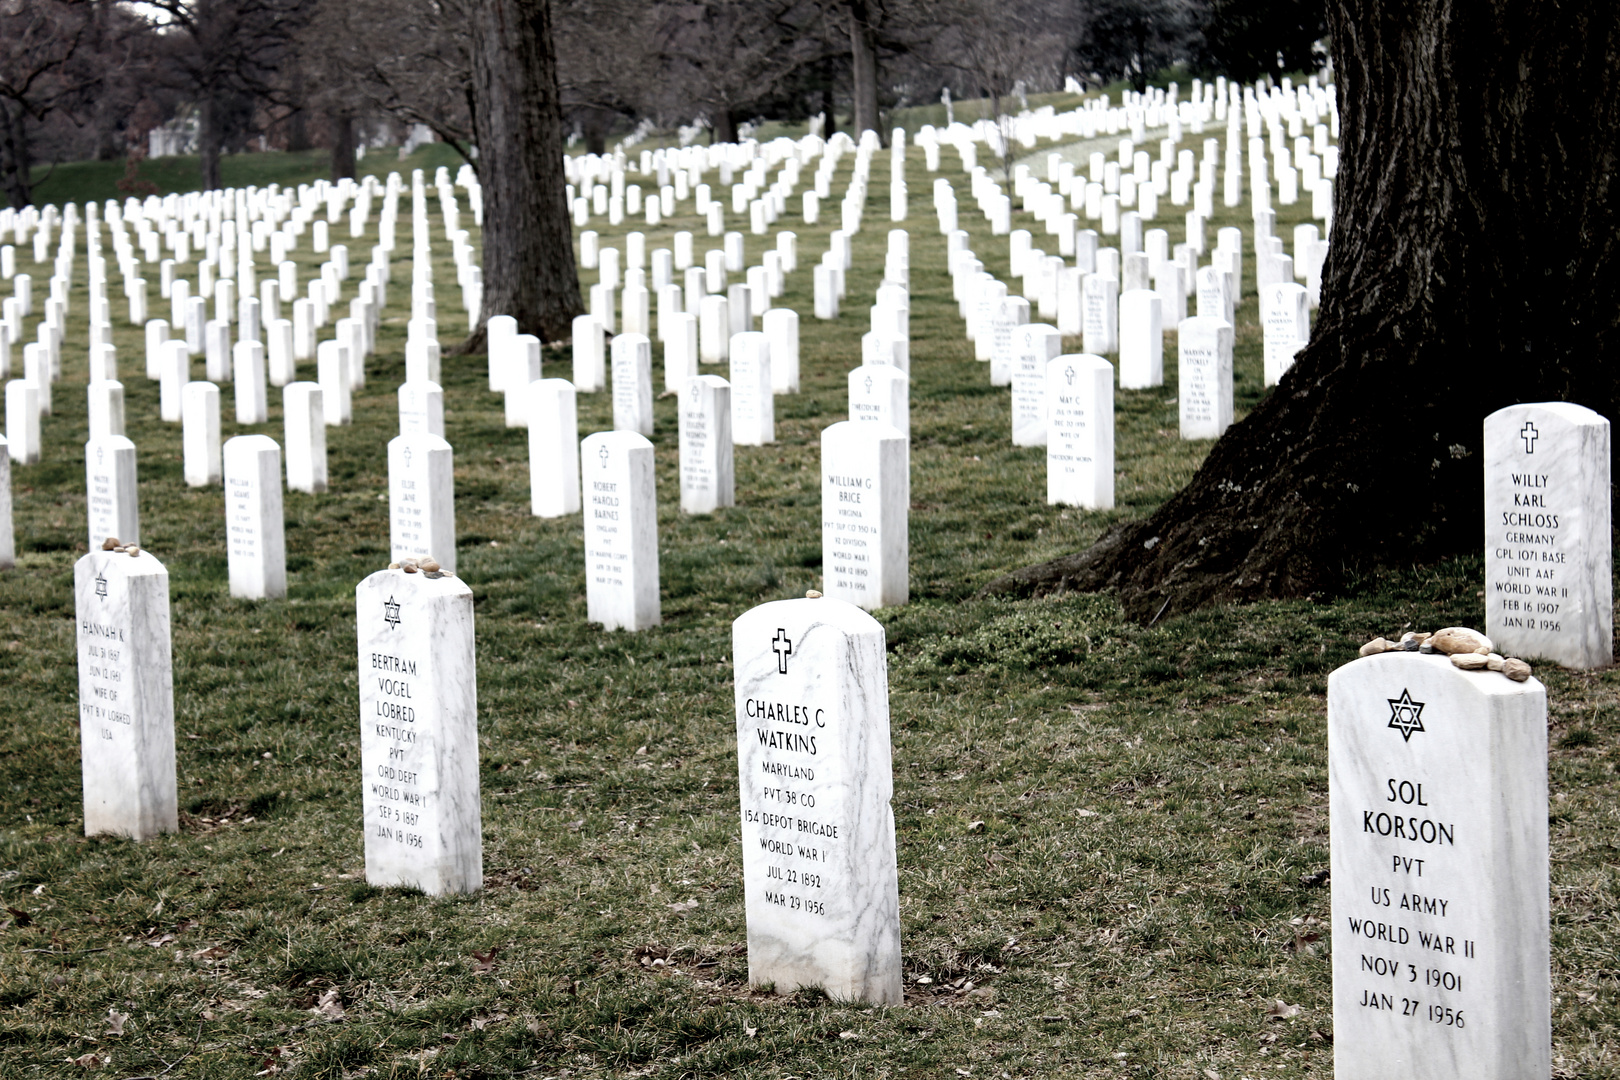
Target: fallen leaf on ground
486,961
116,1021
848,1035
1280,1010
330,1005
88,1061
20,917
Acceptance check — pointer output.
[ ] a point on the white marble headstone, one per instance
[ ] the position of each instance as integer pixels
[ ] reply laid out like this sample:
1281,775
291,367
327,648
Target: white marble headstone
632,384
252,397
111,493
815,781
419,732
304,435
199,438
781,329
865,513
422,499
1080,432
106,402
680,351
1549,588
880,394
1034,346
255,529
1141,340
1286,324
1205,375
1011,313
1437,782
621,531
553,448
22,422
8,539
126,694
753,406
708,477
522,368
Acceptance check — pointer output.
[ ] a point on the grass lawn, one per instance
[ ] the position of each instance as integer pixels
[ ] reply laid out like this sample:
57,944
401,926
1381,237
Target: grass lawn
1153,801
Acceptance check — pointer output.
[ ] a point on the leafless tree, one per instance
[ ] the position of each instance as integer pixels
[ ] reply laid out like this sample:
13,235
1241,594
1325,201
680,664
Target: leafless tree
39,42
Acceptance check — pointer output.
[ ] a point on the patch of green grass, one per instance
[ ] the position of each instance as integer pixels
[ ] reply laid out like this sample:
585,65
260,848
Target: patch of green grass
1153,799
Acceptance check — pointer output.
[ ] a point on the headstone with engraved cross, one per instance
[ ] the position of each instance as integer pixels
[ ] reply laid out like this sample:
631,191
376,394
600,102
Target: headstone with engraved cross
815,779
419,732
621,531
1437,791
422,499
126,693
1549,588
1080,432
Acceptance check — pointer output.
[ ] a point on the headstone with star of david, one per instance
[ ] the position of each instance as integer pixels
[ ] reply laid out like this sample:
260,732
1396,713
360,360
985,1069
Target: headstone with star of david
1204,370
753,405
126,693
621,531
303,410
1034,346
815,781
1549,589
1080,432
422,499
255,537
111,496
632,384
553,448
419,732
865,514
880,394
1437,782
708,473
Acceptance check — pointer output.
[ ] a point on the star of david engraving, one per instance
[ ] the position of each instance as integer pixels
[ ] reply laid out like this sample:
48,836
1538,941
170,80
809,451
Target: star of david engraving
101,585
1405,715
603,454
391,613
1529,434
782,645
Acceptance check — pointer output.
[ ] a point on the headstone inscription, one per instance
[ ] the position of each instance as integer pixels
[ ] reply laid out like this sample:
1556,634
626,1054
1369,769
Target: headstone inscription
422,499
553,448
255,530
1286,323
1080,432
621,531
753,406
815,779
419,732
421,407
865,507
110,492
708,476
1548,561
1205,373
1034,346
1437,783
632,384
126,693
881,394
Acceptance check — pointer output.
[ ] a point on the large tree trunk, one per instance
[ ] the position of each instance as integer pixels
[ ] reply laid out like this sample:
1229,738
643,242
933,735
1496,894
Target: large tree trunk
1473,265
863,69
16,161
342,146
722,125
208,141
529,269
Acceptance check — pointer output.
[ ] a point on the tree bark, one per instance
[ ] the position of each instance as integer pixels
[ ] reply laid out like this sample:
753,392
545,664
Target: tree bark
16,161
722,125
529,270
863,70
1473,265
208,141
342,146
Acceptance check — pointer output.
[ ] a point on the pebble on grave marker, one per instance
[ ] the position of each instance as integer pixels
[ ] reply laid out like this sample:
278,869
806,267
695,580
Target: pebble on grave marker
815,778
126,691
621,531
419,731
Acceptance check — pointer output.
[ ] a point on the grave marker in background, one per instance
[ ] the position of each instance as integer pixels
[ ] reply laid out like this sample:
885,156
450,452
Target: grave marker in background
255,529
621,531
422,499
1080,432
865,508
553,448
708,475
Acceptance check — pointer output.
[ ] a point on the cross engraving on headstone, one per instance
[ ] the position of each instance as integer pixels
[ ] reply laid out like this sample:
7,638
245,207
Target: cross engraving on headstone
1068,374
783,647
1529,434
603,454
